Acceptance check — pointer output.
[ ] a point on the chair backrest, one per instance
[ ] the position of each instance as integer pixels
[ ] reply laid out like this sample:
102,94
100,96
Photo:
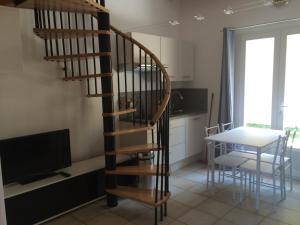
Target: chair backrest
281,148
226,126
212,130
278,150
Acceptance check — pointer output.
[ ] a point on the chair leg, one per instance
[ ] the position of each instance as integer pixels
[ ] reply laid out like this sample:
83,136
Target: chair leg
234,182
219,178
283,182
241,186
245,183
291,177
207,177
274,191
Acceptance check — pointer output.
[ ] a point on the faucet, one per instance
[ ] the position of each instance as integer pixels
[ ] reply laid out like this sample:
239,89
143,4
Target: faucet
178,93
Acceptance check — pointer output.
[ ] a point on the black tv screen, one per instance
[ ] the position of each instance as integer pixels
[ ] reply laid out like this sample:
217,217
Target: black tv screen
25,157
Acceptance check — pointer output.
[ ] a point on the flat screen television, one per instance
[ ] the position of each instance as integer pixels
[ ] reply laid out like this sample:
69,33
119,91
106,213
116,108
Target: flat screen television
23,158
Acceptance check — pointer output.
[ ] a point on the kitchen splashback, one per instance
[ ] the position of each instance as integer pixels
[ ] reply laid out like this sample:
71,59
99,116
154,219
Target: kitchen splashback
189,100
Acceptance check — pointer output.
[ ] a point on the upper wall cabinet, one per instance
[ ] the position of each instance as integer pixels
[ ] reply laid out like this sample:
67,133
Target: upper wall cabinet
170,57
187,61
177,56
152,42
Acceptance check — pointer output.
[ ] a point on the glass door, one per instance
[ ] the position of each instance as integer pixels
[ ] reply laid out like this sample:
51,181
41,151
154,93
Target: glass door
258,84
268,84
290,108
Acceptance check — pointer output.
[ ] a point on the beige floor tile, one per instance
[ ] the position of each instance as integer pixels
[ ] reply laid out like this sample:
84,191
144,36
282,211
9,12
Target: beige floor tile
148,219
243,217
196,217
224,222
249,204
130,209
287,216
181,183
225,196
109,219
177,223
189,199
89,212
215,208
291,203
176,209
175,190
64,220
195,177
268,221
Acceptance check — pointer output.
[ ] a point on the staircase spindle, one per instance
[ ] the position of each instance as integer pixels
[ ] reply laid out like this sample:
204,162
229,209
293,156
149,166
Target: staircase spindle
50,38
133,78
162,165
140,80
94,57
55,27
125,73
151,88
70,44
118,70
44,26
146,89
86,59
78,49
63,43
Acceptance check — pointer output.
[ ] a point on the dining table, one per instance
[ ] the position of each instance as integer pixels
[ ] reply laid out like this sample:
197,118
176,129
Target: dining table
258,139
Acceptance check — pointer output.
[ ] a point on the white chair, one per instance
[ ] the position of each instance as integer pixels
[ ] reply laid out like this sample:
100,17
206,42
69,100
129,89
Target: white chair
287,157
267,169
223,160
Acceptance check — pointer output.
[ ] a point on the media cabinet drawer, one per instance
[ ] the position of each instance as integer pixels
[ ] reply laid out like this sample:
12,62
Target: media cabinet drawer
46,202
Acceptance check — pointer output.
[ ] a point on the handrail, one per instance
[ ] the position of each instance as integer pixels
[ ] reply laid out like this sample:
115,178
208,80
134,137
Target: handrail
167,90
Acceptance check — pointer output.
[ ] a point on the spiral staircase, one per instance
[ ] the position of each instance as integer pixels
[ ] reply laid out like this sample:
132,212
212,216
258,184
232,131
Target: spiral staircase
77,34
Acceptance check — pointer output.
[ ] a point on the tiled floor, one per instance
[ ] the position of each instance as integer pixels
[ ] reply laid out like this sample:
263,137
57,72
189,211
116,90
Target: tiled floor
191,204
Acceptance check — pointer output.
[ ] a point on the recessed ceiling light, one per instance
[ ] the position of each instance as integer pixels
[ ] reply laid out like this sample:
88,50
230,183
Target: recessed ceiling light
199,17
174,22
229,10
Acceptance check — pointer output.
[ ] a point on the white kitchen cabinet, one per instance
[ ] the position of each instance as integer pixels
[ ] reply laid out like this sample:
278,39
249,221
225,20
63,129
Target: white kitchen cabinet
186,137
195,133
187,61
152,42
170,57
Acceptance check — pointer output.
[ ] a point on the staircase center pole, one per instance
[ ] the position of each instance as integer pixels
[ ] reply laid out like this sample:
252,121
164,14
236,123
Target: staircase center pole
107,103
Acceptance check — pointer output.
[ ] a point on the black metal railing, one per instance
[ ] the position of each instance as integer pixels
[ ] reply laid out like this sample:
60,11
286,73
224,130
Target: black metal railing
82,43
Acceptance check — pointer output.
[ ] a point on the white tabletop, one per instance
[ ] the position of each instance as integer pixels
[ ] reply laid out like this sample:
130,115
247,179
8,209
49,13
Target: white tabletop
253,137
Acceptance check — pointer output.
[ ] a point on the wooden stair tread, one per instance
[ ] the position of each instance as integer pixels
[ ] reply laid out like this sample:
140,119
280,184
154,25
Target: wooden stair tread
85,6
66,33
100,95
118,113
133,129
76,56
134,149
146,196
139,170
88,76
